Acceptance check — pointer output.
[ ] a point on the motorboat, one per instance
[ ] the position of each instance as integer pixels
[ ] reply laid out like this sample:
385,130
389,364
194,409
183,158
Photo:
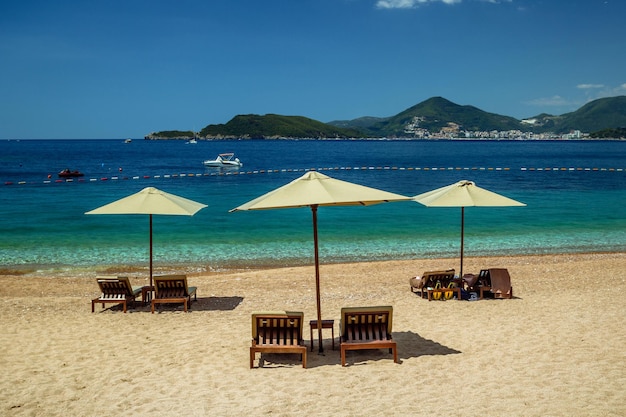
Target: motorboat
191,142
224,160
66,173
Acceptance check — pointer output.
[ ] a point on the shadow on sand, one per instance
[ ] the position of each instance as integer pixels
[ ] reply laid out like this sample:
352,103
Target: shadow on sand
205,304
202,304
410,345
216,303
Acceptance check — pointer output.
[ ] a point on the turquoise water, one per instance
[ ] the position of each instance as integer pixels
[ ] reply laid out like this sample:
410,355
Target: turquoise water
575,194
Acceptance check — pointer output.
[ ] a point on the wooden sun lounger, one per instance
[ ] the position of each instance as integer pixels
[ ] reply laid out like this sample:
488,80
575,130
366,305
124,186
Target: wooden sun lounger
425,285
493,281
173,289
499,283
366,328
277,332
117,290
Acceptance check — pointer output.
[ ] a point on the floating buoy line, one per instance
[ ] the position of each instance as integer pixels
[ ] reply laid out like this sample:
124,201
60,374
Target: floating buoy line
271,171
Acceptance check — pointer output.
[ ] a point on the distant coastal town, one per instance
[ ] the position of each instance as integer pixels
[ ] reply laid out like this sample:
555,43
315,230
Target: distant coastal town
454,131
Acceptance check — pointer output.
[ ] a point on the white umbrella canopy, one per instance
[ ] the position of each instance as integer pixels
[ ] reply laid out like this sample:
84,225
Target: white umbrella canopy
464,194
315,189
151,201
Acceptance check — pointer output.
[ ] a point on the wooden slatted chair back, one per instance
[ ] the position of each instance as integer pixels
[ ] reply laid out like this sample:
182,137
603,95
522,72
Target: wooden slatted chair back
366,323
484,278
431,278
277,332
280,328
171,286
115,287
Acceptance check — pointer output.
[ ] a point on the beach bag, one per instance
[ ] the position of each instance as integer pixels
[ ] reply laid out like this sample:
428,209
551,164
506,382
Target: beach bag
437,295
449,294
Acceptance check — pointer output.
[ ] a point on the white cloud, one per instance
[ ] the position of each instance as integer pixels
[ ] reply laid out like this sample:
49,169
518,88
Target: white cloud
408,4
595,91
412,4
397,4
589,86
620,90
589,92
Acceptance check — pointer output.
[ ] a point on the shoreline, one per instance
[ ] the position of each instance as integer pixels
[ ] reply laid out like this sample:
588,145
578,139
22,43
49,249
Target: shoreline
200,269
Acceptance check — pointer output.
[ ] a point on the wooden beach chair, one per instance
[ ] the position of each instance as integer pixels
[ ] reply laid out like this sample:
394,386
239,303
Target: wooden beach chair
471,283
434,284
277,332
500,283
116,290
366,328
495,282
172,289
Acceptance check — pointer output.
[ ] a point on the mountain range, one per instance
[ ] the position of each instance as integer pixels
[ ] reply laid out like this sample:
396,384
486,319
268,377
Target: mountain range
432,115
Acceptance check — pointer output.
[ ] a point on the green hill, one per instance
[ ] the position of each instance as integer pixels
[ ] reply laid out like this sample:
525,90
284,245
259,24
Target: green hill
437,113
171,134
599,114
612,133
254,126
362,123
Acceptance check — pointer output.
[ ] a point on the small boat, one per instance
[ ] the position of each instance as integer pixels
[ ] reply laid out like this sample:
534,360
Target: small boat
191,142
128,141
66,173
224,160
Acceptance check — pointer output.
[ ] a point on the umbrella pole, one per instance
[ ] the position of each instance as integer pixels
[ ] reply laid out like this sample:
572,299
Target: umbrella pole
462,238
151,249
317,279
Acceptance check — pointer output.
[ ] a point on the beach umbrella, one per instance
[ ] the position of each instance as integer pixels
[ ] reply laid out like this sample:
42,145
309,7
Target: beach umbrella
464,194
313,190
151,201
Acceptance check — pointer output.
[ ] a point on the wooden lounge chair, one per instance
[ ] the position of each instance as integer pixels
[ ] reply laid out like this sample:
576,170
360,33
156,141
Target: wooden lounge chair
434,284
472,282
495,282
499,283
173,289
117,290
366,328
277,332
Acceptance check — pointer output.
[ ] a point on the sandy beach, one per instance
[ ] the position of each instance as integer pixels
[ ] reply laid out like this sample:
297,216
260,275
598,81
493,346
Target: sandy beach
556,349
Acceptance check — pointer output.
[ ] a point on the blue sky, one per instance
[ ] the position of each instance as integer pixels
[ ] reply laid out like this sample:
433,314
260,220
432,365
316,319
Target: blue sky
117,69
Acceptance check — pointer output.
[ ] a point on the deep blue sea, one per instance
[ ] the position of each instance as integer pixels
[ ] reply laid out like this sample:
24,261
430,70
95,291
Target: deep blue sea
575,193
